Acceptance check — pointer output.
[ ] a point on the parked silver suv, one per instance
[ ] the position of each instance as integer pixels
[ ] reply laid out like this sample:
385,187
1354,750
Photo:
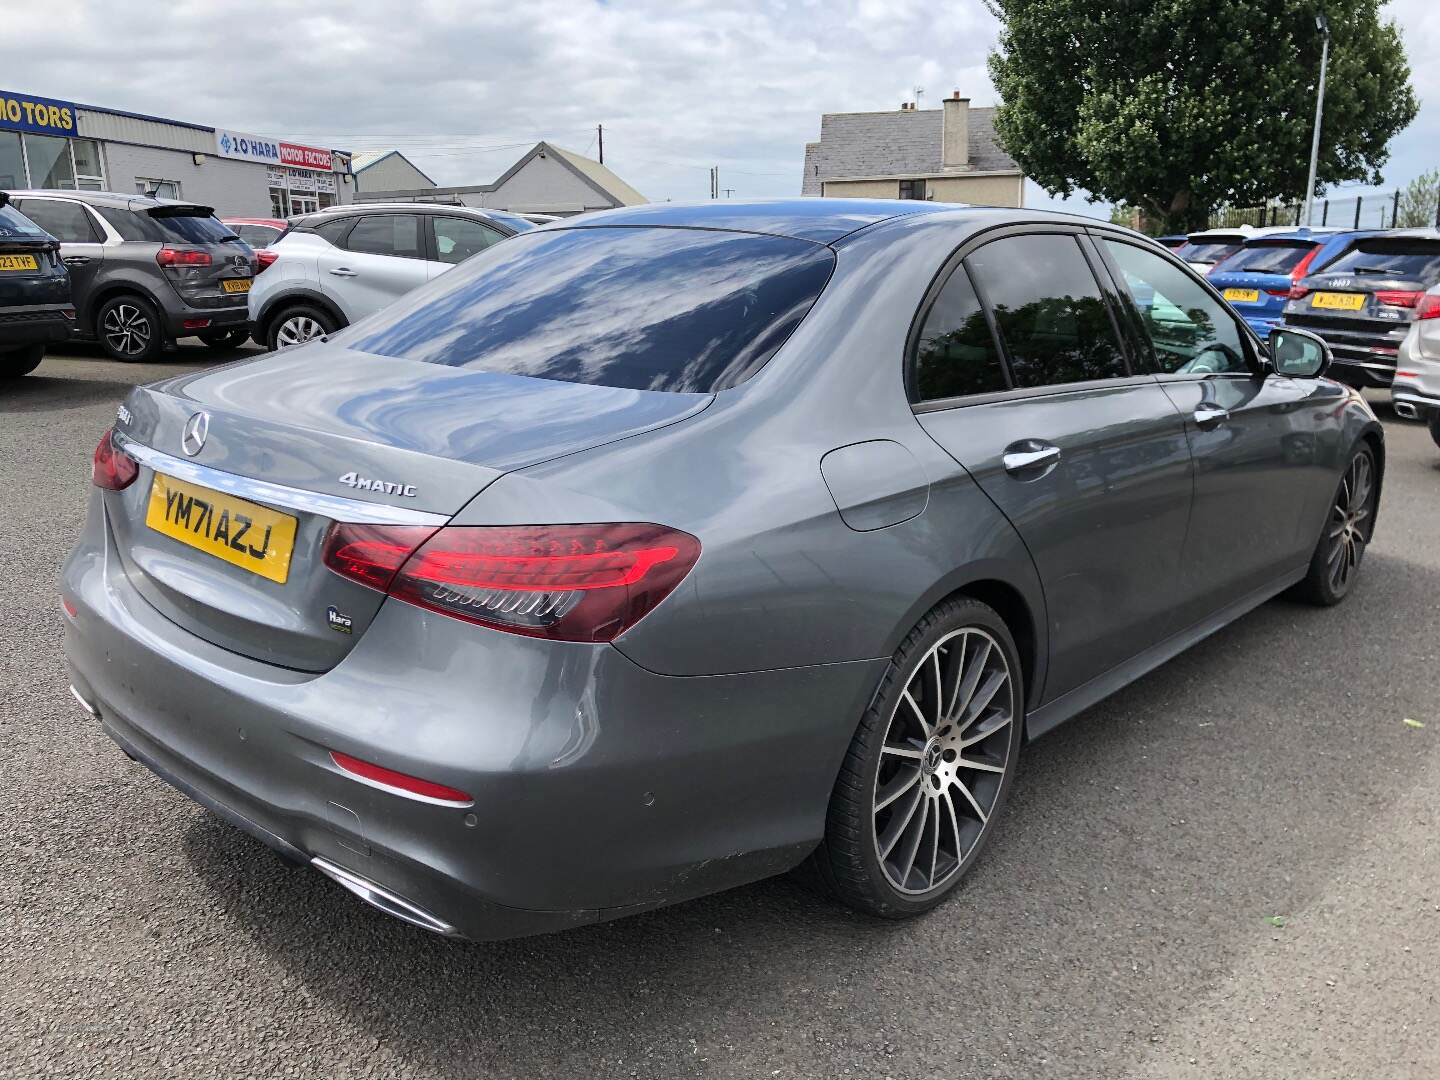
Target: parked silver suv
145,271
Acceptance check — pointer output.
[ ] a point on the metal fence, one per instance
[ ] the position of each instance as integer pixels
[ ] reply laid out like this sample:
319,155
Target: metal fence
1398,209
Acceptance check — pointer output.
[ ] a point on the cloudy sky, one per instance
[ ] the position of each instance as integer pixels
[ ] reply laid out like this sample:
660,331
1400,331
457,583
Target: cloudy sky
463,86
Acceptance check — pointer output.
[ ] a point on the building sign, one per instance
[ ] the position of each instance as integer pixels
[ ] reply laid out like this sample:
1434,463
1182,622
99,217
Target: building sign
235,144
304,157
43,116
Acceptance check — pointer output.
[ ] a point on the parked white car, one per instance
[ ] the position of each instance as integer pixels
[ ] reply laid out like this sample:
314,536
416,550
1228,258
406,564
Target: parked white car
1416,389
341,264
1205,250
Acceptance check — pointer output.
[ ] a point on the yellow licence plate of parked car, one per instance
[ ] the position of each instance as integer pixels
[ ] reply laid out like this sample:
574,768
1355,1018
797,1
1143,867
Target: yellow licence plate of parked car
1339,301
250,536
236,284
1242,294
18,262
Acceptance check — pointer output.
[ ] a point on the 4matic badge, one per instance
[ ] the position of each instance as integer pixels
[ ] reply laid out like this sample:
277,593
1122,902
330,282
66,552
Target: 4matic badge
364,483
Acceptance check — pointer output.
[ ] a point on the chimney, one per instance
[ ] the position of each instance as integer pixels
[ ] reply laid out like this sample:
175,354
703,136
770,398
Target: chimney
955,138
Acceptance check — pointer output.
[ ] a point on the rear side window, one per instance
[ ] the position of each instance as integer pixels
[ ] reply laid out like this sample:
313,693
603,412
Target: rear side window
1399,257
1267,257
165,228
66,221
1048,309
387,234
956,354
681,310
16,226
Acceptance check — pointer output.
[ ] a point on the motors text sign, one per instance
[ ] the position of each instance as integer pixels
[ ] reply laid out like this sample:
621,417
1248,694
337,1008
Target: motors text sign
43,116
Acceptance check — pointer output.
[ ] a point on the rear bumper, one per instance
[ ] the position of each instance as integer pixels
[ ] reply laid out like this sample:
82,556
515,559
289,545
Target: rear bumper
599,788
177,313
38,324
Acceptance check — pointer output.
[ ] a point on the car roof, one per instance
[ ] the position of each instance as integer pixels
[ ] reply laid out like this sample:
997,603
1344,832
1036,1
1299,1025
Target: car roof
818,219
104,198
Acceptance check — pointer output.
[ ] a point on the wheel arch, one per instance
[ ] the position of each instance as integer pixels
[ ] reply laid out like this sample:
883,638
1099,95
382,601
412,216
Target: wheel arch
112,290
297,298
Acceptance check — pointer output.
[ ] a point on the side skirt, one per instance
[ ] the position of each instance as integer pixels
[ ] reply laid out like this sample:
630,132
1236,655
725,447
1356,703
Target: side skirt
1055,713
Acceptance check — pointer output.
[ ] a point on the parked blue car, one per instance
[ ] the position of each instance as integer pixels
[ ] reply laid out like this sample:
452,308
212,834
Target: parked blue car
1257,279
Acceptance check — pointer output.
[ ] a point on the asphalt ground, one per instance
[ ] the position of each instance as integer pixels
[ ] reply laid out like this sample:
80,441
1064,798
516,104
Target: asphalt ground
1230,869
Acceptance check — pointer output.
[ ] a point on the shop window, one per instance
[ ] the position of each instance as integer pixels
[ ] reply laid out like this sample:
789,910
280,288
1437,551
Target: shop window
50,164
12,161
89,175
157,188
912,189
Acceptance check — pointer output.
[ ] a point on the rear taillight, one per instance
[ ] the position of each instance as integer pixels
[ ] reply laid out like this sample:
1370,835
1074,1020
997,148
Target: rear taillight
1303,266
168,256
1277,292
1428,307
1398,298
112,468
263,258
568,582
1298,292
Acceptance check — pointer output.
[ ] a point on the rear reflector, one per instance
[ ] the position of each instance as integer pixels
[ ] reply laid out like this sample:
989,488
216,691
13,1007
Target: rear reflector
567,582
400,783
1397,298
111,468
195,324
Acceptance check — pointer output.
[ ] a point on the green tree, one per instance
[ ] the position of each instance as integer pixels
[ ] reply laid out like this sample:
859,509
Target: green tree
1180,106
1419,201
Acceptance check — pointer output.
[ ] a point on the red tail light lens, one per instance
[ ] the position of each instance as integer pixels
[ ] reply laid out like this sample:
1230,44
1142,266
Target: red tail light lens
1428,308
567,582
111,468
263,258
1398,298
1298,292
1303,266
400,783
1277,292
168,256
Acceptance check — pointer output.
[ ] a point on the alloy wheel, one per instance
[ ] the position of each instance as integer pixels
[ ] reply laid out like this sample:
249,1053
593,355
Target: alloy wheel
297,330
1349,520
127,330
947,748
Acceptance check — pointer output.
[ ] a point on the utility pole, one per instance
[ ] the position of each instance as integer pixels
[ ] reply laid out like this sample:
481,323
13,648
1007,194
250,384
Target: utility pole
1323,25
714,181
600,135
729,191
919,93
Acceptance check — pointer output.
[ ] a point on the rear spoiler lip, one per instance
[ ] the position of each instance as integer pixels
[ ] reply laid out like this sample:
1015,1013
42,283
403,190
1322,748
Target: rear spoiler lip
179,209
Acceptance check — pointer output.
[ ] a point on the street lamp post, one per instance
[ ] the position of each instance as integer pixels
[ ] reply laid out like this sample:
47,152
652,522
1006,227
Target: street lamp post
1323,25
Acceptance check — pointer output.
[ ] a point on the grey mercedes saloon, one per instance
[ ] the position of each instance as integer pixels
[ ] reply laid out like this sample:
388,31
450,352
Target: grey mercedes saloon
668,548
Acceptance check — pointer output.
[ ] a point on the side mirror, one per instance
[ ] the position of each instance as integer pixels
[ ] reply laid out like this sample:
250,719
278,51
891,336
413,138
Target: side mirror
1298,354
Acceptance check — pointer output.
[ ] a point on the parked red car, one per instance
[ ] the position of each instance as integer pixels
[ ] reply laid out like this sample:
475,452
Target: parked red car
259,233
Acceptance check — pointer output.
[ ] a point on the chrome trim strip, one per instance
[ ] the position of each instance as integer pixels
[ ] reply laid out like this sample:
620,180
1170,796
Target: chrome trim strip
335,507
85,704
384,899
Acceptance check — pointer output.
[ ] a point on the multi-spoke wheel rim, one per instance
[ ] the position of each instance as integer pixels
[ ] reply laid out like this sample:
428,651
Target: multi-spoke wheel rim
297,330
947,748
1349,522
127,330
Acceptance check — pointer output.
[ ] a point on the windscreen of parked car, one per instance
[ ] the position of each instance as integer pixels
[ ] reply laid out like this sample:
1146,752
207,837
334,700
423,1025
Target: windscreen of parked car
1414,258
166,227
16,226
680,310
1206,252
1267,257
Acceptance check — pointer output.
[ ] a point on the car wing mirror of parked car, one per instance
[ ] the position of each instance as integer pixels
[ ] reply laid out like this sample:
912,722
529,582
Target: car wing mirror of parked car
1298,354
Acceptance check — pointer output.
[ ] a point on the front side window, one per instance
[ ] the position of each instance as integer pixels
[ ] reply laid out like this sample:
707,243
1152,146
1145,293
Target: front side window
682,310
1191,332
456,239
387,234
1048,309
956,355
66,221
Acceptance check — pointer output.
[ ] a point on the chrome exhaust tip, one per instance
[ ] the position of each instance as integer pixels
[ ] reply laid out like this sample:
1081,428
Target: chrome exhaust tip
94,712
1406,411
383,899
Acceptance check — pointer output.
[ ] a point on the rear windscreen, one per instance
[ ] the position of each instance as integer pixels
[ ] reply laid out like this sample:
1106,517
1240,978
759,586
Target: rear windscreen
16,226
1272,257
167,228
682,310
1206,253
1382,257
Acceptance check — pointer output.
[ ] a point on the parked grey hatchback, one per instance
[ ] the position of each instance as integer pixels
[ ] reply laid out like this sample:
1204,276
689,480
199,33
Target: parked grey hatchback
663,550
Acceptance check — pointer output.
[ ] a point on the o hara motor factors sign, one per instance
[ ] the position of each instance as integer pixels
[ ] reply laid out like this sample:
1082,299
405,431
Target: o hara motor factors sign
305,157
235,144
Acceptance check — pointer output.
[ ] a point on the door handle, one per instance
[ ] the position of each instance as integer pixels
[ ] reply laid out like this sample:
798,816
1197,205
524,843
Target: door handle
1210,416
1029,456
344,271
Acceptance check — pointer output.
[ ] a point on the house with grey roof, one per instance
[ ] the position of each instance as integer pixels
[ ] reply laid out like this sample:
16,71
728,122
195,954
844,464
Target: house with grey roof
379,170
948,154
547,180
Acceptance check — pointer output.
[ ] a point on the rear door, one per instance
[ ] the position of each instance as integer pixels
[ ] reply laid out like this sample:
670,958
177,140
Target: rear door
1019,372
1261,475
380,259
454,239
82,244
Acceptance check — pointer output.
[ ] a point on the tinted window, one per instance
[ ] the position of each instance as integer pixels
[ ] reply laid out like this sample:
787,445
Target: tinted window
650,309
1049,311
1271,257
956,353
1190,331
334,231
167,228
1400,257
1206,252
456,239
66,221
387,234
16,226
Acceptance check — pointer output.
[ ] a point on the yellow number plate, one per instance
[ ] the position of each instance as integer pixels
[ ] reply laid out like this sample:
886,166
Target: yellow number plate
1339,301
236,284
18,262
252,537
1242,294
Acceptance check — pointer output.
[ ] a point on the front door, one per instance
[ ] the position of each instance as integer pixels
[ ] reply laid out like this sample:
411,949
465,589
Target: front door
1262,483
383,259
82,245
1086,458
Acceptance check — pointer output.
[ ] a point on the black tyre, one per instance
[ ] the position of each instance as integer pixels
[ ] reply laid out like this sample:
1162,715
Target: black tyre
1348,528
129,329
231,338
297,324
928,771
17,362
1434,425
